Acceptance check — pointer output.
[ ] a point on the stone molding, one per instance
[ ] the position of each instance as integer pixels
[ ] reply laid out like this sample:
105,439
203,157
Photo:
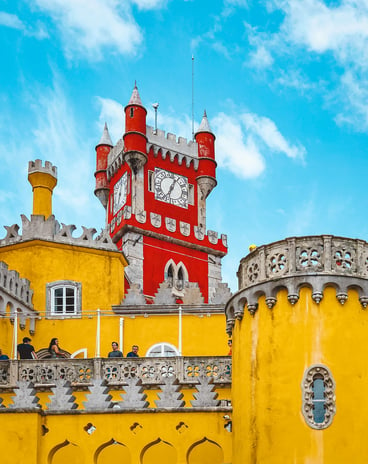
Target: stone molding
316,262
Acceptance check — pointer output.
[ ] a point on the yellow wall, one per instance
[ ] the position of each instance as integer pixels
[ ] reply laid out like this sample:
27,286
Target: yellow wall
67,441
101,274
272,350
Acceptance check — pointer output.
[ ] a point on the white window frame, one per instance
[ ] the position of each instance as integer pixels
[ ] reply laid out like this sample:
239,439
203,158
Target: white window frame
162,354
50,298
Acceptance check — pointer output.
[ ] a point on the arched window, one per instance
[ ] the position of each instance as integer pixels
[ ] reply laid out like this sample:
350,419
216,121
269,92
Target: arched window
180,279
63,298
318,396
162,350
170,274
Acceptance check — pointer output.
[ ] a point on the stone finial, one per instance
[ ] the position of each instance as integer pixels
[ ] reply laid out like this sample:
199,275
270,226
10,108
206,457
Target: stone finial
135,99
105,139
205,125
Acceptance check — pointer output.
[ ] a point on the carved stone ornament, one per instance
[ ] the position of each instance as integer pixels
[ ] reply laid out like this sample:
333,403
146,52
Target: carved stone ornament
198,233
127,212
318,401
185,228
212,237
170,224
141,216
155,219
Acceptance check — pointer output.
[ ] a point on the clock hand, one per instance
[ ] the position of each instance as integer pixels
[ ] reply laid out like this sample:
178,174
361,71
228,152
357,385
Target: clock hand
171,188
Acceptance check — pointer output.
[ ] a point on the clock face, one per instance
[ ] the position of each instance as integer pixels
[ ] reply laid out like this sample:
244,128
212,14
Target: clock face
120,192
171,188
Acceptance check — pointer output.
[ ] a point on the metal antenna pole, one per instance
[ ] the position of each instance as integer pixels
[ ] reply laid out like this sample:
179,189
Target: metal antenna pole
155,106
193,97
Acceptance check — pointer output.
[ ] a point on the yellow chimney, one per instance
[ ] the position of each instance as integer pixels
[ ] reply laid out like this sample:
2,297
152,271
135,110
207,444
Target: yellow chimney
43,181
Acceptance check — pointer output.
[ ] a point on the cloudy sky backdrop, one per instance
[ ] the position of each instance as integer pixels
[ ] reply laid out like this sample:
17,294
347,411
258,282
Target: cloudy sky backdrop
284,83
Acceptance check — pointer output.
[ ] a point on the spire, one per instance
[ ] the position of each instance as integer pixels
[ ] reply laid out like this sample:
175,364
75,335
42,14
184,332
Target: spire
105,139
135,99
205,125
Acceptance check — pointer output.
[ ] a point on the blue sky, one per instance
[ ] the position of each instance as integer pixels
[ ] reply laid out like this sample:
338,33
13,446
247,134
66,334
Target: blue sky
284,83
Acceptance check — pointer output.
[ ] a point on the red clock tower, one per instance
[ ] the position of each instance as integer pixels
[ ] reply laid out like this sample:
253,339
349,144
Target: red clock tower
154,188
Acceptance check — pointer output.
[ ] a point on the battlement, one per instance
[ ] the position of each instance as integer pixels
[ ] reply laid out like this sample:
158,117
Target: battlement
40,229
14,285
36,166
316,262
169,142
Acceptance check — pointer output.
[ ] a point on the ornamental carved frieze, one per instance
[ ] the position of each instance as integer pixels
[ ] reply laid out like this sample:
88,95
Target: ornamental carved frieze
185,228
315,262
277,262
156,219
170,224
343,257
309,257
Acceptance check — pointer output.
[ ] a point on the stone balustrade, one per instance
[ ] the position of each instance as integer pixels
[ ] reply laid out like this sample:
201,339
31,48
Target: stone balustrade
81,373
314,261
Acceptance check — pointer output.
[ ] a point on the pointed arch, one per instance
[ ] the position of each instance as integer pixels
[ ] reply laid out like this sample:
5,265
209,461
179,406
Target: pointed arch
112,452
205,451
66,452
170,271
158,451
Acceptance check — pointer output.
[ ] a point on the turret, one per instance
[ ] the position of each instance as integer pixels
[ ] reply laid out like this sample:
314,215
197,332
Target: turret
135,140
135,147
102,152
43,181
206,178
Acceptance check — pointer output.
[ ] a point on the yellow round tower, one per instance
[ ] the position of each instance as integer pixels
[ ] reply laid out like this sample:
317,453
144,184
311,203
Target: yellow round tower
43,180
300,375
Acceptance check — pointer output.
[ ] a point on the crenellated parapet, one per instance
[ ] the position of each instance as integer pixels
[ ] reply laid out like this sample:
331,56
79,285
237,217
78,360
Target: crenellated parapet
39,228
316,262
15,286
16,298
172,143
162,144
37,166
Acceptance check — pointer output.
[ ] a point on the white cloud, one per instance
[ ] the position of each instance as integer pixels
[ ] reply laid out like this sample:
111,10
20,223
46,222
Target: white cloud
243,143
149,4
57,137
10,20
236,151
267,131
260,58
309,30
91,27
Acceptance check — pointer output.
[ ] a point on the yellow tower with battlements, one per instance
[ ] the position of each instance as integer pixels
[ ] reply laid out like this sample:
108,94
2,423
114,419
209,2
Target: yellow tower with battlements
300,376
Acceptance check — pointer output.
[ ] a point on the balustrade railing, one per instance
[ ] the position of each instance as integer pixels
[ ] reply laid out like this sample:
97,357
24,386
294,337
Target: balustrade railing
116,371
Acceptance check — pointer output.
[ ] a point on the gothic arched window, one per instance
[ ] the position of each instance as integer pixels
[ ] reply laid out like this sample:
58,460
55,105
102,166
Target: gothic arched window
318,389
